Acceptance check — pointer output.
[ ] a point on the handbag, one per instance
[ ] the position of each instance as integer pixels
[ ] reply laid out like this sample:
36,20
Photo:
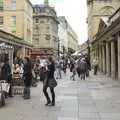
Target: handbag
52,83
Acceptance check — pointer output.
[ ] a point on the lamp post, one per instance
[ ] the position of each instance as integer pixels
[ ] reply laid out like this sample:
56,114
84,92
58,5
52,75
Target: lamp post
88,43
63,51
58,48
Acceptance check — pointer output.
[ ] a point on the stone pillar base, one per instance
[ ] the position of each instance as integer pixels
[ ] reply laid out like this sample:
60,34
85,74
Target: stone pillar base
108,74
119,79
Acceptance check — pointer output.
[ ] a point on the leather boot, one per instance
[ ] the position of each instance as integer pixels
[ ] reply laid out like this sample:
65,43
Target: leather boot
48,102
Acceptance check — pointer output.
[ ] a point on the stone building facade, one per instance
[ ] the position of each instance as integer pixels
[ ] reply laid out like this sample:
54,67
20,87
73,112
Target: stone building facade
83,48
45,30
72,39
63,35
106,46
67,36
16,18
98,9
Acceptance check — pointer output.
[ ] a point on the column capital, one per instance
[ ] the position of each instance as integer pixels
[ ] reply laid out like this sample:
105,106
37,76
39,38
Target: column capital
111,38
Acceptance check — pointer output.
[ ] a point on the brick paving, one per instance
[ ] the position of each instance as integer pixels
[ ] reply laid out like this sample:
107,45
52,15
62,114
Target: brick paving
97,98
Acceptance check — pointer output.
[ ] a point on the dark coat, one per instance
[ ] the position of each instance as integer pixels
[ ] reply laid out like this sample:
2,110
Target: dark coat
51,70
27,74
88,63
6,73
49,80
71,66
83,66
42,74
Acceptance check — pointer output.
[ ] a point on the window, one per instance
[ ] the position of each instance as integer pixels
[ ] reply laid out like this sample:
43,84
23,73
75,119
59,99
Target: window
37,20
37,39
47,27
41,21
13,4
14,32
14,20
1,20
1,5
47,37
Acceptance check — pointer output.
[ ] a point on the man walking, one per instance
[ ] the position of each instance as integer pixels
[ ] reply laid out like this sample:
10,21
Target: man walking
83,68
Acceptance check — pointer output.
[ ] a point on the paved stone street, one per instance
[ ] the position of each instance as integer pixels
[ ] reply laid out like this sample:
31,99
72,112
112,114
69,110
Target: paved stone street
97,98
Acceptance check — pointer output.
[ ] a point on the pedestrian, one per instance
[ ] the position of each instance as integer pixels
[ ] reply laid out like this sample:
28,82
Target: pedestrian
17,76
17,69
27,75
50,82
34,81
72,70
83,68
64,66
73,73
7,75
58,70
95,63
78,67
87,59
42,72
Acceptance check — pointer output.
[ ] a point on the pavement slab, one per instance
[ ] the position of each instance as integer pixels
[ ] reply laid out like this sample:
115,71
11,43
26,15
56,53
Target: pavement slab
96,98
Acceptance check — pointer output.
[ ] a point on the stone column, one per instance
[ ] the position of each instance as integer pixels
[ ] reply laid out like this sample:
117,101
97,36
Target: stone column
22,51
113,59
118,39
95,53
103,58
107,59
100,59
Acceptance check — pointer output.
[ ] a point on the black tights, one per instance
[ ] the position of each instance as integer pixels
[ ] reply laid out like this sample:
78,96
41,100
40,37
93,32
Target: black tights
47,96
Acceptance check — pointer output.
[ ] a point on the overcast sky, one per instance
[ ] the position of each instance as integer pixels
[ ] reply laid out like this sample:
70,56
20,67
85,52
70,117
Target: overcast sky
75,12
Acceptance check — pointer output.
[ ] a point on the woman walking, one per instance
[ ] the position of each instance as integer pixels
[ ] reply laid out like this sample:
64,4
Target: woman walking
72,70
50,82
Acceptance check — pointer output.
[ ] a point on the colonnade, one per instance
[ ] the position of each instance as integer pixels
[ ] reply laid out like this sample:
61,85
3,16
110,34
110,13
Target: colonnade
108,55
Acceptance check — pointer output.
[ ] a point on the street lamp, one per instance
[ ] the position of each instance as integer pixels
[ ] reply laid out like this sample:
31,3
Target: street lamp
88,43
63,51
58,48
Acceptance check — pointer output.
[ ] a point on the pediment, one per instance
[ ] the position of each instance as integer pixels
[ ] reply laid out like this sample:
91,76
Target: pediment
102,25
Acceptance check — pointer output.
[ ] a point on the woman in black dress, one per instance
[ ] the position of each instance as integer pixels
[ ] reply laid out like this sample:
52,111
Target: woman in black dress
50,80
